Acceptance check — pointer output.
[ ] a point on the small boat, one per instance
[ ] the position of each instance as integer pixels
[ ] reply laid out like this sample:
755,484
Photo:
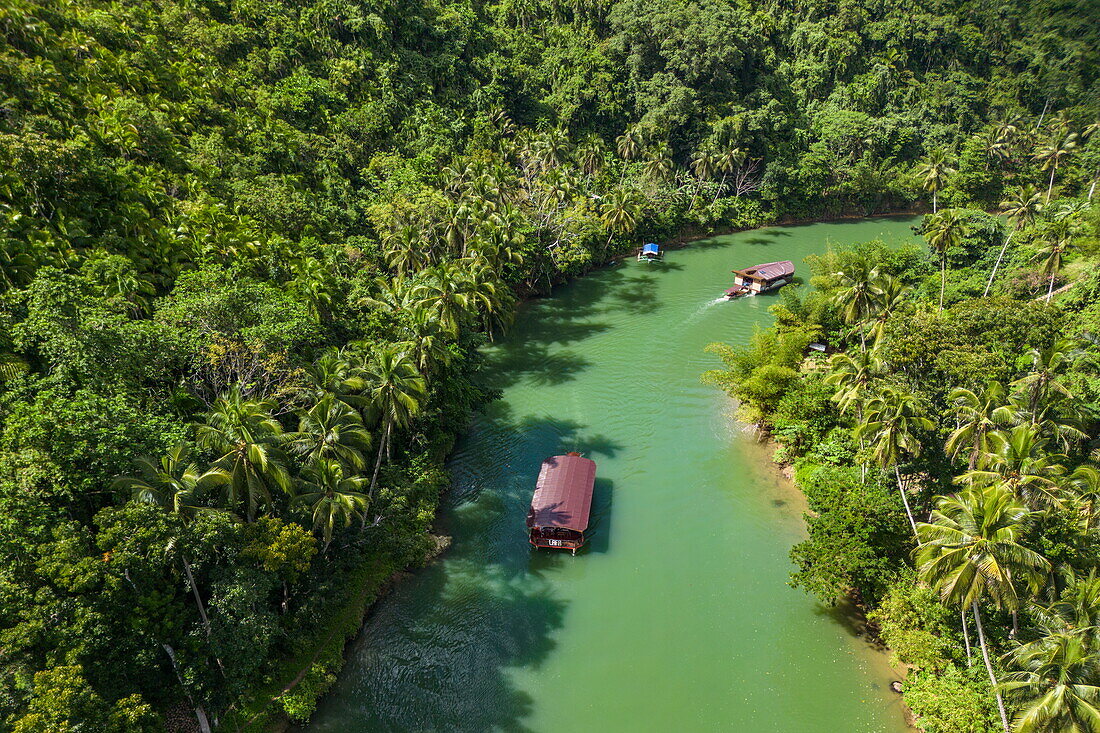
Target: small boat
761,278
650,253
558,518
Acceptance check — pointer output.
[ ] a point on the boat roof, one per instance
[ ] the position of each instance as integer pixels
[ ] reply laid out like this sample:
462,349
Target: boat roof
650,247
768,270
563,493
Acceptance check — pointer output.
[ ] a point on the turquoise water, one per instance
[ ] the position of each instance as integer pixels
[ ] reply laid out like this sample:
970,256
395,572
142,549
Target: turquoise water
678,615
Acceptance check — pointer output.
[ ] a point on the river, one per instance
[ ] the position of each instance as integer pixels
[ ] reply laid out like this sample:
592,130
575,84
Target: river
678,616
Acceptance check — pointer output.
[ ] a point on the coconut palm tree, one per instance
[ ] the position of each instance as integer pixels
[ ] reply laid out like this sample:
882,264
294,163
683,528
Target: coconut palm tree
429,343
659,166
1051,154
1057,682
247,437
943,231
397,390
631,143
1051,252
729,159
174,483
858,294
970,551
976,414
852,375
619,212
333,374
334,499
330,430
405,252
1018,460
934,172
442,292
590,155
891,423
703,164
1043,389
1021,208
891,294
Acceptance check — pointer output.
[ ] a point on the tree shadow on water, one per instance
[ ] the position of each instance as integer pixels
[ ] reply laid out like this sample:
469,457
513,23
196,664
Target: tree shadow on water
447,650
533,363
439,654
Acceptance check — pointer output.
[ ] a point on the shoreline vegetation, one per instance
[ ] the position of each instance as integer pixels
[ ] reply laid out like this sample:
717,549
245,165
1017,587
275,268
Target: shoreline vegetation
947,448
249,252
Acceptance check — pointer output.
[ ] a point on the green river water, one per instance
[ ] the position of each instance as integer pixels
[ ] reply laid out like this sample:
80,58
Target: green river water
678,616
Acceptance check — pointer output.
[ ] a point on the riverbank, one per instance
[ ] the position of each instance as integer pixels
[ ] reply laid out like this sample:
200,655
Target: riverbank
537,623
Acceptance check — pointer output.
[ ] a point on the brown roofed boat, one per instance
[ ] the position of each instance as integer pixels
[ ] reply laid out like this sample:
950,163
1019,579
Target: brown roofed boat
559,512
761,278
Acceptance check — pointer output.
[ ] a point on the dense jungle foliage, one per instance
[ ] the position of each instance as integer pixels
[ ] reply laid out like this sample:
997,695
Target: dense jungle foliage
949,446
248,252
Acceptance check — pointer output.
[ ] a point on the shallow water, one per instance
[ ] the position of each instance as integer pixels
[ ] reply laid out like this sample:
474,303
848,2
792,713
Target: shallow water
678,615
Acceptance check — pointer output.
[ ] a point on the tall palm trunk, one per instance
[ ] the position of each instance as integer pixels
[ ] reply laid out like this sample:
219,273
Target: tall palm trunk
934,200
200,713
905,501
989,667
1050,186
966,638
378,462
997,264
1050,287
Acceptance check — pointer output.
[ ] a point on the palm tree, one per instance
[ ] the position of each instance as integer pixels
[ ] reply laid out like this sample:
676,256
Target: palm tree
619,212
1051,154
859,293
944,231
442,293
631,143
852,376
397,389
891,423
1043,389
330,430
1021,209
976,415
405,252
729,159
659,167
1018,460
1057,681
243,431
934,172
333,498
429,342
333,374
891,294
970,551
590,155
174,482
1051,254
703,164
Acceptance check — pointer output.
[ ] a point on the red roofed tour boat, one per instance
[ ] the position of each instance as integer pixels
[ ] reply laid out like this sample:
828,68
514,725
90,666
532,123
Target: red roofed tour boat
558,518
761,278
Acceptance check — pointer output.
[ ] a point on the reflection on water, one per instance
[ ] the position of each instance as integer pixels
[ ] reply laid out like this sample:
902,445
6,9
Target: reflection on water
677,615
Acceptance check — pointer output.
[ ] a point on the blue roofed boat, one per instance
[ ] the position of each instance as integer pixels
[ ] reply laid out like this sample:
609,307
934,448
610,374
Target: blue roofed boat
650,252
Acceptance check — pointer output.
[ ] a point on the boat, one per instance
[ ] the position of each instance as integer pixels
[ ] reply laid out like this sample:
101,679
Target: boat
650,253
558,518
761,278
